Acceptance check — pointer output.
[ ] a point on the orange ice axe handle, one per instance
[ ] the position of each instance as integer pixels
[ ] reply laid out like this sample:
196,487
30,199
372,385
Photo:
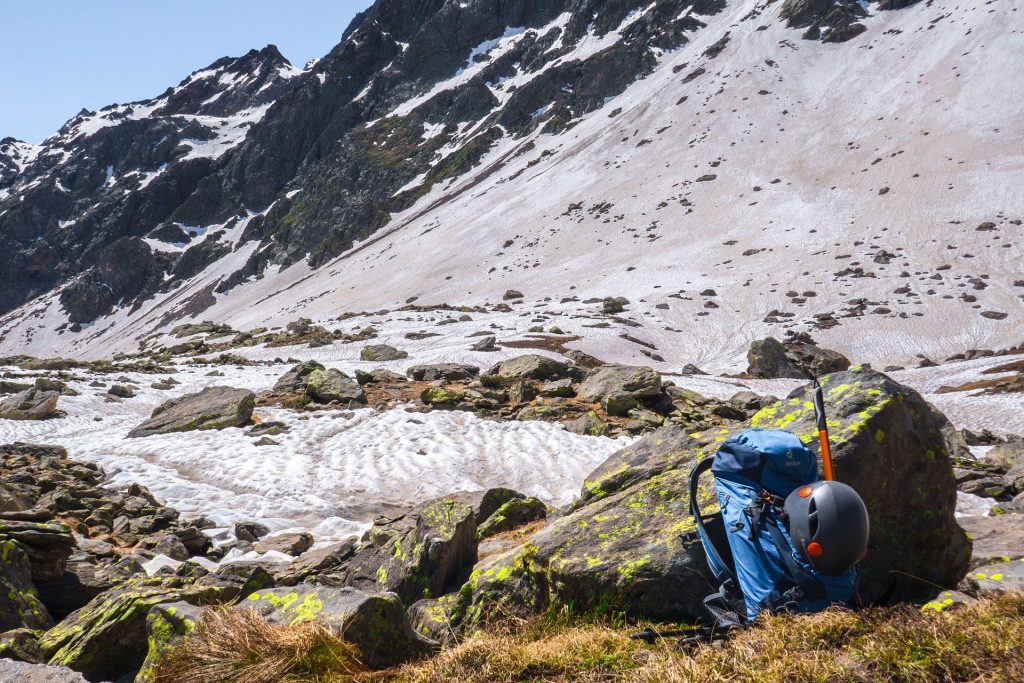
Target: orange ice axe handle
819,414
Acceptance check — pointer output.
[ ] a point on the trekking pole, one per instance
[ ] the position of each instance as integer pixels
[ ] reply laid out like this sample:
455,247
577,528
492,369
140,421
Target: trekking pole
819,414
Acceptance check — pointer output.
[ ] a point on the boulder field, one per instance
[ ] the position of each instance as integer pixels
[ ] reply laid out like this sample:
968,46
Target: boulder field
417,579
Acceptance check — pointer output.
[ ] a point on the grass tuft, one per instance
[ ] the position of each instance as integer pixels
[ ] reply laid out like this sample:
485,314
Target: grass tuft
239,646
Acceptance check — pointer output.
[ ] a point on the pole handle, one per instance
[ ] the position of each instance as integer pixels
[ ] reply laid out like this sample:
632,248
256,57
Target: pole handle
819,414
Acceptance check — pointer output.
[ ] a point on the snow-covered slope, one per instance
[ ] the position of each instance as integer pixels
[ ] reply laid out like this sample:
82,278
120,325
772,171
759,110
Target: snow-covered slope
866,190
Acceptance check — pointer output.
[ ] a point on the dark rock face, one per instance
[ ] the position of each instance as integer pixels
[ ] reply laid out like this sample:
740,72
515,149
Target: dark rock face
119,173
141,170
211,408
831,21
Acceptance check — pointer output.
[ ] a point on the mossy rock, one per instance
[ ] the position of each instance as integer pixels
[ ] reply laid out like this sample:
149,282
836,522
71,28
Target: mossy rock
512,515
295,379
376,623
618,404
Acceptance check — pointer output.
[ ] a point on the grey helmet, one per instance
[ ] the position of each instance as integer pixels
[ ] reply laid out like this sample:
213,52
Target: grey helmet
828,523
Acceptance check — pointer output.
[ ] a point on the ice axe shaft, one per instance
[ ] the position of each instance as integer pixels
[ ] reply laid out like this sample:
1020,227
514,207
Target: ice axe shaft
819,414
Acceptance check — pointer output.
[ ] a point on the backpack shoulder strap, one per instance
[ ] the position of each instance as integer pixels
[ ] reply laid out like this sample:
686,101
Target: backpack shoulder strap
718,565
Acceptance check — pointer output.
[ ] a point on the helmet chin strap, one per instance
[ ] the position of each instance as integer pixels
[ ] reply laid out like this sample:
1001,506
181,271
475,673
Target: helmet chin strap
819,414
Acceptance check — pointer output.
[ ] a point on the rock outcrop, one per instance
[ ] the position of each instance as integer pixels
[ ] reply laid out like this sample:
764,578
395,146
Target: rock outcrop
211,408
31,404
628,542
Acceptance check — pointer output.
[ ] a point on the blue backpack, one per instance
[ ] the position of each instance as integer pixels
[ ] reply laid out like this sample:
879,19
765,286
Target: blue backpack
748,546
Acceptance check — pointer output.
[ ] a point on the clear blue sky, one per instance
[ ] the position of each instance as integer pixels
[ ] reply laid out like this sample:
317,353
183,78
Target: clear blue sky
58,56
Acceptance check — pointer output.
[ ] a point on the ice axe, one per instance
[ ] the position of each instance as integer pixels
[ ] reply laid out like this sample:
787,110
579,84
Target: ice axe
819,415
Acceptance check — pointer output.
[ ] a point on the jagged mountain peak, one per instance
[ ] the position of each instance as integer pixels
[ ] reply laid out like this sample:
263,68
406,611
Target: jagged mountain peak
554,141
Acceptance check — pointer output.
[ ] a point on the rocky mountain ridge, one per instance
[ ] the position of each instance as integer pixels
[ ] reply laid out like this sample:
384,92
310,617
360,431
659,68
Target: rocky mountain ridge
428,126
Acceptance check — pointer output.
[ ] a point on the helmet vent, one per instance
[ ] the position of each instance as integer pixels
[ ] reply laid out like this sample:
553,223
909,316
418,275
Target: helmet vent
812,518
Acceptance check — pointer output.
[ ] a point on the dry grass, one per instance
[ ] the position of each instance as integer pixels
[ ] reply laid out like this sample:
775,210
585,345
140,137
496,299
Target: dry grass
983,642
238,646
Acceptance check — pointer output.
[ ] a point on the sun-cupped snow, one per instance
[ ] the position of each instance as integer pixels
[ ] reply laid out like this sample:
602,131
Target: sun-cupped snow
331,473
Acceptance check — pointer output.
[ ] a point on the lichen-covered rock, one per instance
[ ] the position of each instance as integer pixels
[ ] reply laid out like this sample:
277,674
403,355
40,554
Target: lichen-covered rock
31,404
107,638
999,577
417,554
627,544
376,623
485,503
637,382
994,539
618,404
313,562
21,644
211,408
20,606
512,515
447,372
441,396
381,353
295,379
47,545
166,624
325,386
767,358
530,366
432,618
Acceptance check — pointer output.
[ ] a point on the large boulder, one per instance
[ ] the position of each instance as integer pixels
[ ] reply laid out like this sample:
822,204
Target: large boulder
107,638
628,543
417,554
325,386
295,379
211,408
20,606
374,622
771,359
637,382
530,366
767,358
31,404
381,353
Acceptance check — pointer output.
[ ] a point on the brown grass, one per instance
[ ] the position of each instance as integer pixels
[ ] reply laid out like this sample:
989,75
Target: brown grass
239,646
981,642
